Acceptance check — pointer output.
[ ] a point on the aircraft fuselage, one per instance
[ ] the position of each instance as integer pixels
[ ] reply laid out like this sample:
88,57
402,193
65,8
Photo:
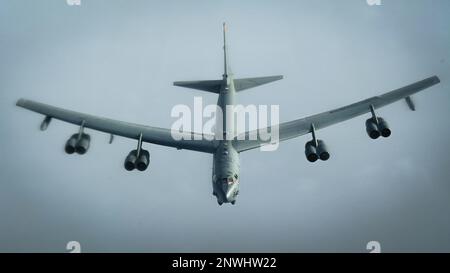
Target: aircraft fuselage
225,178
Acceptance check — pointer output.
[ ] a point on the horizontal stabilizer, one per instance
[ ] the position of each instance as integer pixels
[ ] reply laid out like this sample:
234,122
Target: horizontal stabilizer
242,84
209,86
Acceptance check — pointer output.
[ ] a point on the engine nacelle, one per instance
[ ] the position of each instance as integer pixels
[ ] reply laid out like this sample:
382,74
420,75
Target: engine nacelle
71,144
143,161
372,129
311,151
79,146
383,127
130,160
322,150
83,144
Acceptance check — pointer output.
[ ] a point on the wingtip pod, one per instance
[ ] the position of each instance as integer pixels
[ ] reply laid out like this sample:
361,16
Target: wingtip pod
21,102
432,81
226,69
436,79
424,84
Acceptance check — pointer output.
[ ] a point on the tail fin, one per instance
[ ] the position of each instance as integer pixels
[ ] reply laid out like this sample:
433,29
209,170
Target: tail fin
226,69
242,84
212,86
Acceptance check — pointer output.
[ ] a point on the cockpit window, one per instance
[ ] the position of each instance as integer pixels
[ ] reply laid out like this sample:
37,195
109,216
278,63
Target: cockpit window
236,176
229,180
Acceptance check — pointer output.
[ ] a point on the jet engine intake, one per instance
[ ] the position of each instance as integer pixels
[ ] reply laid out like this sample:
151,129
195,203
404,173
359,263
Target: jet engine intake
77,144
71,144
383,126
311,151
372,129
322,150
143,160
133,161
83,144
130,160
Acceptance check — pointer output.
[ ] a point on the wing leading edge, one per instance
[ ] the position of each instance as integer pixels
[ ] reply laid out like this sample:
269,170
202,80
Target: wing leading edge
302,126
153,135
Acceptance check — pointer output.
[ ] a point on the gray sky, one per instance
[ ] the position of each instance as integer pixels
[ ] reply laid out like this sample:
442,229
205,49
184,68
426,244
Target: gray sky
119,59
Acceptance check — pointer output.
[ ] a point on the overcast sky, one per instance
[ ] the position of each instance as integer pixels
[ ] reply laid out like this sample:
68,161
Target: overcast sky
119,58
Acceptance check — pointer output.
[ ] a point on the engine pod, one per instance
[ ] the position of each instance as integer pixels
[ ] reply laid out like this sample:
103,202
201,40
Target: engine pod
83,144
311,152
383,126
71,144
322,150
143,160
372,129
130,161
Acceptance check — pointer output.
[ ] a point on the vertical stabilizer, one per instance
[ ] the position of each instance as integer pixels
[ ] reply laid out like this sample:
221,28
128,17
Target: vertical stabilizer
225,52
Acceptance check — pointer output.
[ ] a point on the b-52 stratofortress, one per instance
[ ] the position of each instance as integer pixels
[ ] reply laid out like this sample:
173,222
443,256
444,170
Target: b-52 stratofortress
225,178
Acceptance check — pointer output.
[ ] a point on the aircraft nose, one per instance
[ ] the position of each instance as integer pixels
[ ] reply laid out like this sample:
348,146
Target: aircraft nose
230,187
231,192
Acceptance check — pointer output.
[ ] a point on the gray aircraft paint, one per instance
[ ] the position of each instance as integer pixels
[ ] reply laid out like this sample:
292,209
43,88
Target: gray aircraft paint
226,148
226,159
332,52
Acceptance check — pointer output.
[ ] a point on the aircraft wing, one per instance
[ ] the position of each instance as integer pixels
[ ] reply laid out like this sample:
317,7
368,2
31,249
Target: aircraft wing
153,135
302,126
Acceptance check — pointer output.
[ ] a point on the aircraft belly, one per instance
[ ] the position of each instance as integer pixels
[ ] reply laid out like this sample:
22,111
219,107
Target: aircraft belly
225,166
